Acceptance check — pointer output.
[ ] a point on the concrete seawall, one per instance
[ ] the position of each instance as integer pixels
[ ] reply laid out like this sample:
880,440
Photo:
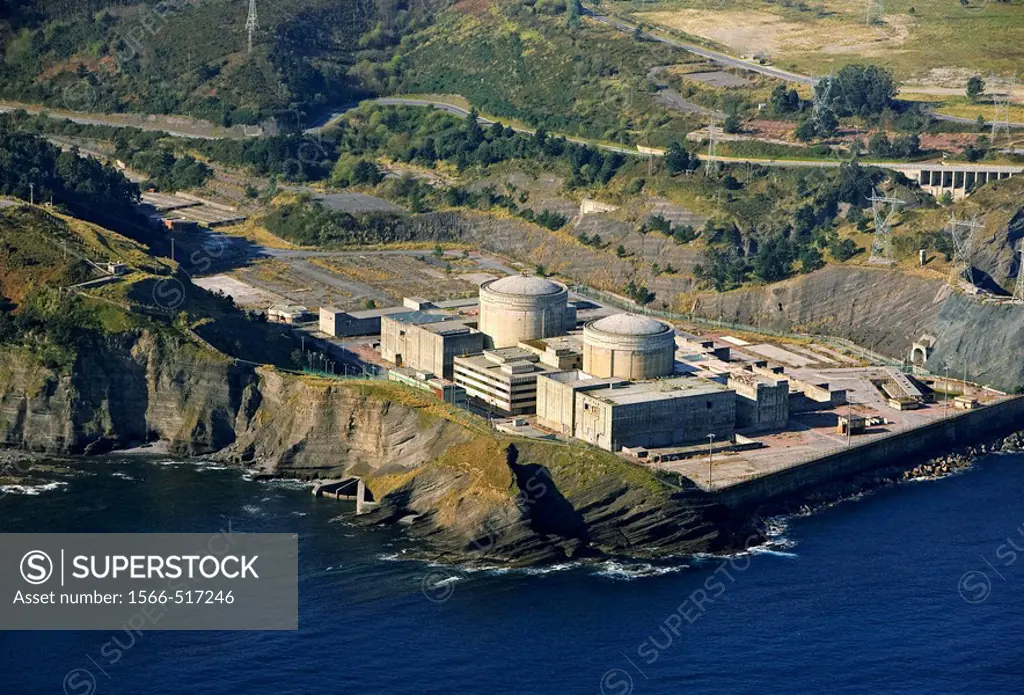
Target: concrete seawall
959,430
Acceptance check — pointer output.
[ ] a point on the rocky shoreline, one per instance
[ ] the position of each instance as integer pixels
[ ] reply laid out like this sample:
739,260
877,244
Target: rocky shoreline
609,517
936,468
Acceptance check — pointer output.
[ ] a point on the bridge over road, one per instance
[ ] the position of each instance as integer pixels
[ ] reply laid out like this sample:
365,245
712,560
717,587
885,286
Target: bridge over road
957,179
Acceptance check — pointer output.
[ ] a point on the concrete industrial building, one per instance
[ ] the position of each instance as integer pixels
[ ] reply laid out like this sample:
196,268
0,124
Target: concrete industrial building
522,308
564,352
655,414
628,346
556,398
504,378
427,341
761,403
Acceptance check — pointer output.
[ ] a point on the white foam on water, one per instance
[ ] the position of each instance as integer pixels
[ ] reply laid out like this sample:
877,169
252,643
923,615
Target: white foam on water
628,572
31,489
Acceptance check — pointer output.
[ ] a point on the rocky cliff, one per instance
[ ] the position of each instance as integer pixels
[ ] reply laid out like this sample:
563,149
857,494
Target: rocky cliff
466,491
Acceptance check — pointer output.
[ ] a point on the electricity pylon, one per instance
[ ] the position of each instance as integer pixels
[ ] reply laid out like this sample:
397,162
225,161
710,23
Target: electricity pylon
884,210
252,23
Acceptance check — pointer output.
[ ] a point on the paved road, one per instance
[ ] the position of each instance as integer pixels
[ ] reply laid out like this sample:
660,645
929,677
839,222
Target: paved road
720,58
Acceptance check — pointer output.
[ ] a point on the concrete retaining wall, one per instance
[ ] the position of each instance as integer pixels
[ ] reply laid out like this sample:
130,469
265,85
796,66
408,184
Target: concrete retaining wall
958,430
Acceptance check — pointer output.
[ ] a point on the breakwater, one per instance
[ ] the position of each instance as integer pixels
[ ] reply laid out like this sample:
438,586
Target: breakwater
956,431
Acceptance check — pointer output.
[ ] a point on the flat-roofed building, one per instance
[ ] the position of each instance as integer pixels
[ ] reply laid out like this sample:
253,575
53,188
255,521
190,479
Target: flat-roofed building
427,341
654,414
505,379
556,397
762,403
343,324
286,313
561,352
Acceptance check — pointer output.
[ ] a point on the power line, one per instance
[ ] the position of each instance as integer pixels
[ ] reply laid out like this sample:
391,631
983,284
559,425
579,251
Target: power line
884,210
711,165
1001,100
252,23
962,233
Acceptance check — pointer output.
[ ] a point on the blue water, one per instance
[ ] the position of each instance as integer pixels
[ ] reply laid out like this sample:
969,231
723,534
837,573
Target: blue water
866,597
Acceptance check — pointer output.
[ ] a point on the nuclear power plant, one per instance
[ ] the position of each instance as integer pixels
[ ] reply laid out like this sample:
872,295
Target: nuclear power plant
574,368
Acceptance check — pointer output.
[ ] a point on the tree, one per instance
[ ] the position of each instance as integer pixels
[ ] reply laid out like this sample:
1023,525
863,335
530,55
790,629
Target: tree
806,130
677,159
843,249
620,251
975,87
810,259
732,123
784,101
827,123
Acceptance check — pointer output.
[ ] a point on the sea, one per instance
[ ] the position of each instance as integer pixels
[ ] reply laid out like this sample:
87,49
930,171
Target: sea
914,588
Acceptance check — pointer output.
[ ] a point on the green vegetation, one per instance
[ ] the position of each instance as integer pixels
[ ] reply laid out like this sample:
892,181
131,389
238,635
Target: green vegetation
795,227
32,167
309,223
191,58
41,251
522,60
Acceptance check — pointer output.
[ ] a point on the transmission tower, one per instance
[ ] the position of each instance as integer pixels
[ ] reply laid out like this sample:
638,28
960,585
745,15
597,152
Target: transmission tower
884,210
962,234
252,23
1018,290
711,165
822,100
875,12
1002,99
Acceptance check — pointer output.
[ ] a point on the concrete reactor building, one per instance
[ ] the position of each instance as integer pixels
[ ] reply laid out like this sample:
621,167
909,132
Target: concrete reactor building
628,346
520,308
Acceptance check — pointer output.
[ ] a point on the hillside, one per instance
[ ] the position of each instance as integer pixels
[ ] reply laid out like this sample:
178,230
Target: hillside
192,57
910,36
535,64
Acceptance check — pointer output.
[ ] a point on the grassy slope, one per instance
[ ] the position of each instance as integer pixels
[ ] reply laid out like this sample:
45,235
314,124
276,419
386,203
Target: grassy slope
986,34
506,61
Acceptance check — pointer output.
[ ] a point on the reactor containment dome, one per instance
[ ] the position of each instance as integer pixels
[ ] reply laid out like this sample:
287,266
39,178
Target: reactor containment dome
628,346
521,308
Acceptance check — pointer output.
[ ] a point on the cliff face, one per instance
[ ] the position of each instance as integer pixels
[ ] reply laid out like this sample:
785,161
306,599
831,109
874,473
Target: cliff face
887,311
130,389
467,492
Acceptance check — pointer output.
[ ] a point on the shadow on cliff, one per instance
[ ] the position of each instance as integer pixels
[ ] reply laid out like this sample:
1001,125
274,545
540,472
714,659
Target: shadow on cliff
540,500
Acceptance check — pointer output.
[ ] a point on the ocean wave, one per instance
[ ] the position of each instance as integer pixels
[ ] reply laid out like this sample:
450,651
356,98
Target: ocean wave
253,510
767,550
286,483
123,476
628,572
31,489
